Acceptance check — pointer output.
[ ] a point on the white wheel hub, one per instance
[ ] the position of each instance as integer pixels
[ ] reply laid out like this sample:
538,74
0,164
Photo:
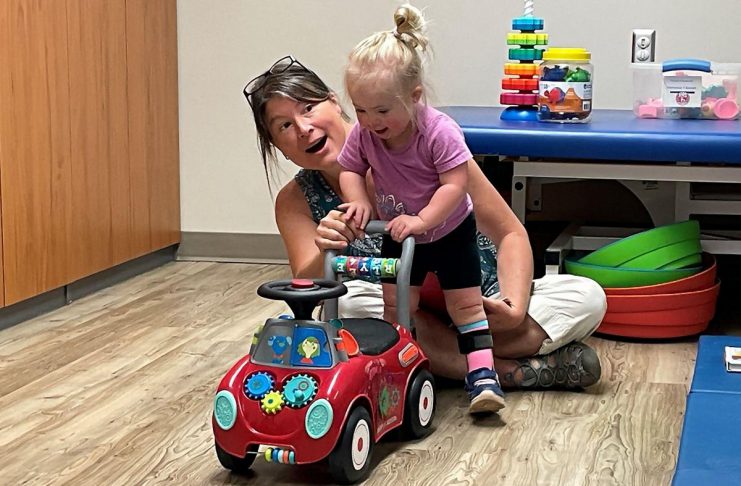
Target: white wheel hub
426,403
360,444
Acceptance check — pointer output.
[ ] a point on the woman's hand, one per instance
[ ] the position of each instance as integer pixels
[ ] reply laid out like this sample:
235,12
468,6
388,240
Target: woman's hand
402,226
335,231
502,314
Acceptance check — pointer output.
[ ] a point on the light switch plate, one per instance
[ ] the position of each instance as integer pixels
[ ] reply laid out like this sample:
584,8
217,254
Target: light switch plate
644,45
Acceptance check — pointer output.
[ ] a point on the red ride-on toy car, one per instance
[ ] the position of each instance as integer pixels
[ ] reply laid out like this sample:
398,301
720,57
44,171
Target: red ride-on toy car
310,390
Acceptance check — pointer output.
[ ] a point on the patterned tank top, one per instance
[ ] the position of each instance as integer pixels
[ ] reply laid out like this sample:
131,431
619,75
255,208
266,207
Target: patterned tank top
321,199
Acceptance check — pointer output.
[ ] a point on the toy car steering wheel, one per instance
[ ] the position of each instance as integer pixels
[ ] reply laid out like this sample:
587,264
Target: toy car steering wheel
302,295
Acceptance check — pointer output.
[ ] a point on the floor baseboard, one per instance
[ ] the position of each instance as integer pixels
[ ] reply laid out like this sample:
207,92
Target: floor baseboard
231,247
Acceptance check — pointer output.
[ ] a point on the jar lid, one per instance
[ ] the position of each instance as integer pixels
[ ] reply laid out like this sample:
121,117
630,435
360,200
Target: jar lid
566,54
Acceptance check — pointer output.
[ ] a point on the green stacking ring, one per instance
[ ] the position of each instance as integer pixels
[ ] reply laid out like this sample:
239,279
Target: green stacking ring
611,277
617,253
667,255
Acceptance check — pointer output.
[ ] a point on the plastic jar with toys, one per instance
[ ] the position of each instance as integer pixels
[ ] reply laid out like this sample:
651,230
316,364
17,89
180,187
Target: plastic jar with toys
565,85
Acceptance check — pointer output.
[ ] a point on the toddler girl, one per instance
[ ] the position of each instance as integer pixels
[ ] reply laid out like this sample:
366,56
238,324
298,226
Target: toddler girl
419,163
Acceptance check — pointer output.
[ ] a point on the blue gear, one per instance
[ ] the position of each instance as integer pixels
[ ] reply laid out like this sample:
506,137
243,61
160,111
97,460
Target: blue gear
299,390
258,384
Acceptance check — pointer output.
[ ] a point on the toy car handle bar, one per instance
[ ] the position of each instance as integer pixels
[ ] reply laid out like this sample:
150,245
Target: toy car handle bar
335,265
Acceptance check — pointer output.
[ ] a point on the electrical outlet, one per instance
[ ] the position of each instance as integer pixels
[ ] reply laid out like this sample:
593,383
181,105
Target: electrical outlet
644,45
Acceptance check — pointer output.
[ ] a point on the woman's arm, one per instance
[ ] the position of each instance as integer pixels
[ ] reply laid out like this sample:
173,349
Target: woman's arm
298,231
495,219
306,241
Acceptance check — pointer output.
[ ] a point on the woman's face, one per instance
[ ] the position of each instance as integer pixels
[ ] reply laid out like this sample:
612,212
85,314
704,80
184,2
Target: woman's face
311,135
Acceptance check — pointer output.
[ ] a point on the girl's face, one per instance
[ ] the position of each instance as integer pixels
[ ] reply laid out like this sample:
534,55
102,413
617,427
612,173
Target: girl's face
309,134
383,113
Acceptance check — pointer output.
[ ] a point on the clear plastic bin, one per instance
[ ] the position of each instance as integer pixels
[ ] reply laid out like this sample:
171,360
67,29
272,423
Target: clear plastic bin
687,88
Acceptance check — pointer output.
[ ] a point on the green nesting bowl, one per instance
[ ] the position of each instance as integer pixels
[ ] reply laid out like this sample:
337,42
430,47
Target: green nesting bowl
618,253
610,277
677,255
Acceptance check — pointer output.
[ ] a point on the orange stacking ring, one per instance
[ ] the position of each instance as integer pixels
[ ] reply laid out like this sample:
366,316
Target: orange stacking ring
516,69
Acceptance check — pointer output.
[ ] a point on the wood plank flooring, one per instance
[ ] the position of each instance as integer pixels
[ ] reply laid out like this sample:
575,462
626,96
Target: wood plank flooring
117,389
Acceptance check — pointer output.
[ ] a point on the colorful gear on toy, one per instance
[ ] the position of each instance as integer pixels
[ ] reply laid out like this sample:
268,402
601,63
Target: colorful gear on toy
272,402
258,384
299,390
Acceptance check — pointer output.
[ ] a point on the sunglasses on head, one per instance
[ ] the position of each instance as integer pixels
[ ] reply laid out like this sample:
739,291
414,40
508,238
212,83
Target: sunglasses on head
280,66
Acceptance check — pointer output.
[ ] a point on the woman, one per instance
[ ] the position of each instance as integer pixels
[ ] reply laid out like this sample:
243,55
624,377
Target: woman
537,325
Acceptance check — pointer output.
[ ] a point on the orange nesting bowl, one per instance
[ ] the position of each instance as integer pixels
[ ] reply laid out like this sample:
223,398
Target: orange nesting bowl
674,309
665,321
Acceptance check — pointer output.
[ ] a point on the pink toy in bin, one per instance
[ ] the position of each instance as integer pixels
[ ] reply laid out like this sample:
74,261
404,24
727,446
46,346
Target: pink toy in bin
652,109
727,108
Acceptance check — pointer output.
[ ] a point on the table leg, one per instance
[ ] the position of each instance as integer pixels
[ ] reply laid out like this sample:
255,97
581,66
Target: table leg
519,197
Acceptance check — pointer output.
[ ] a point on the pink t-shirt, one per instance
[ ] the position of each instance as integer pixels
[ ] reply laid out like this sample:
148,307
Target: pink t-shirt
407,178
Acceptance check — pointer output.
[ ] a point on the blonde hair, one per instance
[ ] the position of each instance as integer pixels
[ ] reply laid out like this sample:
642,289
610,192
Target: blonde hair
398,55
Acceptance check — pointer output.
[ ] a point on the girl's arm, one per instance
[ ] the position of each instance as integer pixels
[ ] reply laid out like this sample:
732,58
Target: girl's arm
443,202
452,190
354,190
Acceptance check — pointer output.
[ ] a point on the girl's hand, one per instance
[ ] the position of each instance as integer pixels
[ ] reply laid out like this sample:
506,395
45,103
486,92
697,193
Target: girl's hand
502,314
402,226
359,212
335,232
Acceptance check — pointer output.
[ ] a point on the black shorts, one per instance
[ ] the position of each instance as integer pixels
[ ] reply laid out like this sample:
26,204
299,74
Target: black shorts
454,258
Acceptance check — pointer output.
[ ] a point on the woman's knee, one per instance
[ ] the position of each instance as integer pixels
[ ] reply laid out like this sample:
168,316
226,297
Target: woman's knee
594,299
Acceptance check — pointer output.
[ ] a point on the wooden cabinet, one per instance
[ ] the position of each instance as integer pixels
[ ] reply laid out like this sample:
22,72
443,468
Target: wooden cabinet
153,122
88,138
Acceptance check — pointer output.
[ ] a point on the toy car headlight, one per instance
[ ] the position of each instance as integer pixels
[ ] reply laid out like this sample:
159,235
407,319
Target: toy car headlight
225,409
319,418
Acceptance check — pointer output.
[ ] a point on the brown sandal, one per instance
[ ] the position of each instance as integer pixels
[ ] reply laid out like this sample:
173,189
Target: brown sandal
575,365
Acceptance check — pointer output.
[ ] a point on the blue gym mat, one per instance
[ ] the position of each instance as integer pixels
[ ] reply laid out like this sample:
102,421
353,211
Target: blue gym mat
710,370
710,450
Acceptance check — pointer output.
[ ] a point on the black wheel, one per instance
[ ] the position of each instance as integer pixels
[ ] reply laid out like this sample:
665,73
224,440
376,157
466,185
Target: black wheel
350,460
419,408
239,465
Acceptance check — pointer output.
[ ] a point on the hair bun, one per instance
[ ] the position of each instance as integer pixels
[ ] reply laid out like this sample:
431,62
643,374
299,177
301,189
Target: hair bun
409,20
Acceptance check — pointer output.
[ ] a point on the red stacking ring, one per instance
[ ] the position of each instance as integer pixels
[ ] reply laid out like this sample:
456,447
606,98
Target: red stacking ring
518,98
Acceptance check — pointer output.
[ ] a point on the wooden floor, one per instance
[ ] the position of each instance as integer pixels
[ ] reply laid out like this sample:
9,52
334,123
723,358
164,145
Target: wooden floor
117,388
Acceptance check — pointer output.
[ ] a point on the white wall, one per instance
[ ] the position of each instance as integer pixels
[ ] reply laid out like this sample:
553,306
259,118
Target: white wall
222,44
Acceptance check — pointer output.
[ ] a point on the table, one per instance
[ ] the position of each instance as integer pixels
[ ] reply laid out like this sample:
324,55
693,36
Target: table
615,145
